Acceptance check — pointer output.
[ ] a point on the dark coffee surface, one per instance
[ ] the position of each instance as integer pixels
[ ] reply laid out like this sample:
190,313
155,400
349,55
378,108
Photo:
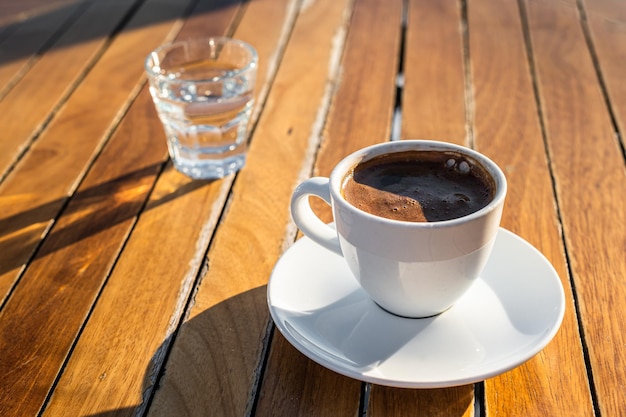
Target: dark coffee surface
419,186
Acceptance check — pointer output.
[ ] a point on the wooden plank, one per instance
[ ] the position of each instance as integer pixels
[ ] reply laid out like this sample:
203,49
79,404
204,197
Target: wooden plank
299,387
118,358
590,178
443,402
369,118
30,200
610,10
214,372
364,115
433,105
509,131
365,96
18,11
23,42
61,67
432,108
72,264
70,268
607,27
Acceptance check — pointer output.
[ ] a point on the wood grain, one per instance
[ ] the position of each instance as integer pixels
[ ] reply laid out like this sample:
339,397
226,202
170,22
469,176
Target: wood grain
73,264
69,270
362,108
509,131
299,387
443,402
228,350
128,289
115,363
588,169
607,28
46,311
433,105
74,137
25,38
153,275
12,12
27,107
254,228
352,125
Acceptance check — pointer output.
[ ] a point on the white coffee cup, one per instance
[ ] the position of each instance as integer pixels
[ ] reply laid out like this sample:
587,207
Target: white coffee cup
411,269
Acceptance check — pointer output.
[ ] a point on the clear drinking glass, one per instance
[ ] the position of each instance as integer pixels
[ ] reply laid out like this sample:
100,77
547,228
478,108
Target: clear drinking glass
203,93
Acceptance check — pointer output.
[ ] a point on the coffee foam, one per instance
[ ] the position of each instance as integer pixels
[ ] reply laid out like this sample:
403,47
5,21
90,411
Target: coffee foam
419,186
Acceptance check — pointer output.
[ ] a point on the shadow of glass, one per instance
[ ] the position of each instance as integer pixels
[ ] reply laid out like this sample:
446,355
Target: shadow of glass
89,212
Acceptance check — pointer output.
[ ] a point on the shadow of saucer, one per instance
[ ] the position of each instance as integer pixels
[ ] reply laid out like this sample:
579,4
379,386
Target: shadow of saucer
214,367
210,365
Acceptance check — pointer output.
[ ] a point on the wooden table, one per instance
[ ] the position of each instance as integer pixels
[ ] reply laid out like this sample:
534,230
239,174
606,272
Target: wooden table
127,289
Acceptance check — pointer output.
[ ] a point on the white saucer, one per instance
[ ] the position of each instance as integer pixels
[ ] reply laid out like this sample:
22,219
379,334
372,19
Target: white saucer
506,317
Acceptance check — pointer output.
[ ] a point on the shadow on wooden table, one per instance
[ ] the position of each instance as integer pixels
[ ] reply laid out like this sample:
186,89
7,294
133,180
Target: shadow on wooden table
219,352
91,211
209,366
57,23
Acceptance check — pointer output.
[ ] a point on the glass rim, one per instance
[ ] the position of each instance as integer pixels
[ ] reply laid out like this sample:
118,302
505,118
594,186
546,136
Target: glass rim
215,39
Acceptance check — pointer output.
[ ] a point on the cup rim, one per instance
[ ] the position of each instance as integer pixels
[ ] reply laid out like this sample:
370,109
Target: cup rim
218,39
341,169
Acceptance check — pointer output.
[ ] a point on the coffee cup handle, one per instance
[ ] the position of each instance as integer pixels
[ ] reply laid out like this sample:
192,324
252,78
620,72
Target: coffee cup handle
306,220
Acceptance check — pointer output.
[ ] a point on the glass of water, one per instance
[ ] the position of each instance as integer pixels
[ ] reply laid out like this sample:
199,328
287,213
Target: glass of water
203,93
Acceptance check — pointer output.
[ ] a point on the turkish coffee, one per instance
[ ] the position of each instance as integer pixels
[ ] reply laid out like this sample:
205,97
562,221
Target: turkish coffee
419,186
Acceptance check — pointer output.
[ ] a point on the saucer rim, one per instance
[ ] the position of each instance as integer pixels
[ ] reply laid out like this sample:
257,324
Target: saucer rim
354,373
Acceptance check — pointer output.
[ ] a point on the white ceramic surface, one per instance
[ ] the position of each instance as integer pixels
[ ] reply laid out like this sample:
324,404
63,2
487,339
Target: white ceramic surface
508,315
427,265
